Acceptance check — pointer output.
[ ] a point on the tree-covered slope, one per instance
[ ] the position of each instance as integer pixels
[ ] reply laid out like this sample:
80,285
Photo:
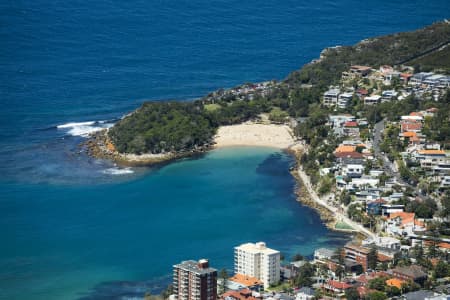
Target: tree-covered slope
162,127
391,49
170,126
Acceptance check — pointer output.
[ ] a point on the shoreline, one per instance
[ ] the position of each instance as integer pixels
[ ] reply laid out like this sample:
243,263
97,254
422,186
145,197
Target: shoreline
329,214
247,134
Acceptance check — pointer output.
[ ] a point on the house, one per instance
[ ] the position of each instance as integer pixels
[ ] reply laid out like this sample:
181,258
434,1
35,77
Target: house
322,254
395,282
244,294
411,126
305,293
406,77
434,80
374,207
419,78
362,93
360,71
445,183
383,242
336,287
403,223
344,100
371,100
388,209
330,97
247,281
388,95
419,295
363,183
352,170
413,272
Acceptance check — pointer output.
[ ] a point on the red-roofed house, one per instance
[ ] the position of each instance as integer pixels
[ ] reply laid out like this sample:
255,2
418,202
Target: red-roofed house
350,124
411,126
336,287
244,294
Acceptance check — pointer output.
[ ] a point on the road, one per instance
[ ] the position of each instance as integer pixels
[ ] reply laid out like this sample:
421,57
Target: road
388,166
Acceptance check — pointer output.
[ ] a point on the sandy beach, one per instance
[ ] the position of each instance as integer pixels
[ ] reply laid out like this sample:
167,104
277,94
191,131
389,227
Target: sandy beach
251,134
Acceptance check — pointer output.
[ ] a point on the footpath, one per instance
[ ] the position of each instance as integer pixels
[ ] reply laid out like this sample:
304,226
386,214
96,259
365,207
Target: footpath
339,215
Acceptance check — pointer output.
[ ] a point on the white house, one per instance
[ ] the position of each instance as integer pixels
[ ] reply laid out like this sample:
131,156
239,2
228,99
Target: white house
352,170
330,97
388,209
371,100
344,100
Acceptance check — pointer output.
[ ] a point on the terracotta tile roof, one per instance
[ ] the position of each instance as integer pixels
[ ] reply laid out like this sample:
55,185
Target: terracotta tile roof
383,258
338,284
409,134
406,217
444,245
432,152
350,124
362,92
246,280
244,294
345,148
411,126
395,282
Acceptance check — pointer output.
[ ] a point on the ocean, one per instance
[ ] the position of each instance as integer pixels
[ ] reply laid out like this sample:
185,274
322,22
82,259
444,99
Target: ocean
74,227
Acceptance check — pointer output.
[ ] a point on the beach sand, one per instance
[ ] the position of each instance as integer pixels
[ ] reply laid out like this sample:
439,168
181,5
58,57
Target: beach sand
251,134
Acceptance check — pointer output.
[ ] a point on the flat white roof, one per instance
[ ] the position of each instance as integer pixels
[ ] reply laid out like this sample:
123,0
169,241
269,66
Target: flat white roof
257,248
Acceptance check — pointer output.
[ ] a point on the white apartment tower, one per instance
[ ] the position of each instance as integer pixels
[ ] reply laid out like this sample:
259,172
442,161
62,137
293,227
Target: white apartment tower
258,261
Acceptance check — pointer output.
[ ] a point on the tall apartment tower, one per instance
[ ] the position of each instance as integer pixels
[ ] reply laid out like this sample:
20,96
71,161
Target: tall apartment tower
258,261
195,280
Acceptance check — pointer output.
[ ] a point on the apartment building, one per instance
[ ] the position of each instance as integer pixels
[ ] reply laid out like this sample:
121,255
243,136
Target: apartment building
194,280
258,261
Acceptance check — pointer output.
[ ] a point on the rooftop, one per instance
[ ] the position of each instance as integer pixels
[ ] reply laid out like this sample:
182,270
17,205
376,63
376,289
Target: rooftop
259,247
198,267
246,280
413,271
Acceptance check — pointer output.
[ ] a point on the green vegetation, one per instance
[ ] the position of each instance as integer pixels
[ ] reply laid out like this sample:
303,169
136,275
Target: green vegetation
438,60
386,50
305,274
212,107
158,127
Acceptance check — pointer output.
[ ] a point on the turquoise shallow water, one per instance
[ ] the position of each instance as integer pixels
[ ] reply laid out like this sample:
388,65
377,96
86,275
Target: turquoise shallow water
71,239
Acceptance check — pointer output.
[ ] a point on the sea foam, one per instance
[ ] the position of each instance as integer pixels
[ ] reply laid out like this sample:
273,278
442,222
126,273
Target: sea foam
118,171
84,128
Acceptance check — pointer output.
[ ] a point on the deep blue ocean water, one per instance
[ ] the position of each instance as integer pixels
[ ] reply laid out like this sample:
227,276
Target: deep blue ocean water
75,227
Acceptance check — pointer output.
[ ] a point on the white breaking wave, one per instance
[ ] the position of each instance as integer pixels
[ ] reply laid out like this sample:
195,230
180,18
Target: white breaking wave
75,124
84,128
118,171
